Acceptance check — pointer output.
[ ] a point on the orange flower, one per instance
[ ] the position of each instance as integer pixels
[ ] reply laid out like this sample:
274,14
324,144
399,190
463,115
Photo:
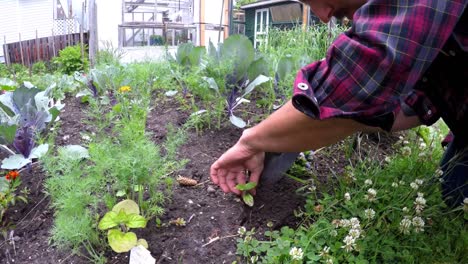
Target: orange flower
11,175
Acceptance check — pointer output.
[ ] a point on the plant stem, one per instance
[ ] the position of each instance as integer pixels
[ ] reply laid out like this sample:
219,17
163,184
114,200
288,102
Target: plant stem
7,149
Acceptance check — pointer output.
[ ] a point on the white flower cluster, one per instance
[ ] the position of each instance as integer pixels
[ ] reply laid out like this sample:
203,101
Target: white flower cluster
353,234
417,222
325,255
370,214
394,184
241,231
368,182
371,195
253,259
419,203
416,184
406,151
347,197
465,204
405,225
296,253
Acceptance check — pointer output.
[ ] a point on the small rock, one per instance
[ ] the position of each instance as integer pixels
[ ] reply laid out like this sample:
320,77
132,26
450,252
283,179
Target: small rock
210,189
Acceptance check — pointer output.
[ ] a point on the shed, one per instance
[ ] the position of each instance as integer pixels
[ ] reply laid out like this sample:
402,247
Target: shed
264,14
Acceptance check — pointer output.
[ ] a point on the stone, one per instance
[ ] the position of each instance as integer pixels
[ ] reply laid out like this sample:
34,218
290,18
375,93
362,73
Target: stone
140,255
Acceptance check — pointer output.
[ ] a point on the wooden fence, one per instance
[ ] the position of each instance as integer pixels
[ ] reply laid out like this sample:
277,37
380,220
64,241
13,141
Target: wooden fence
28,52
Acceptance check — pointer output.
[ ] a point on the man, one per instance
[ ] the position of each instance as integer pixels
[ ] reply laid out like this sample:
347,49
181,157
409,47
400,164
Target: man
402,64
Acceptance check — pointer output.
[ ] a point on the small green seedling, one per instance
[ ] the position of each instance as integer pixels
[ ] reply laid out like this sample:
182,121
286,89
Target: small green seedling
124,215
246,196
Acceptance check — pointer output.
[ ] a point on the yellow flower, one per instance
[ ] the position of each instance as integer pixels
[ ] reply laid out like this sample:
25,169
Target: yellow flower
124,89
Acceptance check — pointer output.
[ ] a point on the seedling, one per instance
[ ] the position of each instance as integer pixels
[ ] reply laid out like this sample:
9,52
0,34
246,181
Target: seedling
246,196
124,215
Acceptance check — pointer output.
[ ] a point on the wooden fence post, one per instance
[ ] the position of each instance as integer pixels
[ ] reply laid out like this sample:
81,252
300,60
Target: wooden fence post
53,44
81,32
21,49
6,52
37,48
92,24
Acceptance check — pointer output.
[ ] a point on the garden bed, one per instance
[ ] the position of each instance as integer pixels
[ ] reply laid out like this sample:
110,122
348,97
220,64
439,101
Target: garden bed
212,217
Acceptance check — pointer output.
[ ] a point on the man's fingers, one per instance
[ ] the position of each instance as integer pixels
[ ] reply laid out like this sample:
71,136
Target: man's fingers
231,182
221,176
214,173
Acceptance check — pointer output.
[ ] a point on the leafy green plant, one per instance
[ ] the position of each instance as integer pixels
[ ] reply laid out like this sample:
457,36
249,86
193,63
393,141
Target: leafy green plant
70,60
235,62
39,68
124,216
246,196
380,214
23,115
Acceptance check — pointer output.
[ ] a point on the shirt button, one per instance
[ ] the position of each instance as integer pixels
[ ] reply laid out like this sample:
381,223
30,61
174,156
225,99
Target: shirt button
429,112
302,86
451,52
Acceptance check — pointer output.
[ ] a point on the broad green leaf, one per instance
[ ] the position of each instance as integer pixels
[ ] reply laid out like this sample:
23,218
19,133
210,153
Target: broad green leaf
108,221
39,151
238,49
54,112
246,186
127,206
85,92
136,221
196,54
142,242
121,242
250,185
15,162
7,84
74,152
259,80
4,184
24,95
6,104
258,67
117,108
248,199
211,83
285,66
7,133
183,52
120,193
42,101
238,122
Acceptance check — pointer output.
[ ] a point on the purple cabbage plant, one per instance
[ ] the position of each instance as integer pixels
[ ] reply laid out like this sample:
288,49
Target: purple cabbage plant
24,114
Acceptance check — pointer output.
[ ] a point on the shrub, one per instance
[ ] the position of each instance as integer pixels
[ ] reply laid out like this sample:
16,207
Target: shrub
70,61
39,67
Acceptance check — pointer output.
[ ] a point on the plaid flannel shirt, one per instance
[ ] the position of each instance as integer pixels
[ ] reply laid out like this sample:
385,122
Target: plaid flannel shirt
370,71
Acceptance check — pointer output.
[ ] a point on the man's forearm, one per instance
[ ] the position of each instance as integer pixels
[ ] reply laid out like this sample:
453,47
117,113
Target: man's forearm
289,130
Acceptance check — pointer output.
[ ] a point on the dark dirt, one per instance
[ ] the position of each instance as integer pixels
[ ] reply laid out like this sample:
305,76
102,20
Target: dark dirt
212,217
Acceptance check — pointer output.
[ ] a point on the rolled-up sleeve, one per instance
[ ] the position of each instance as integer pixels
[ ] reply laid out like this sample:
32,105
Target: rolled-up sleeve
371,68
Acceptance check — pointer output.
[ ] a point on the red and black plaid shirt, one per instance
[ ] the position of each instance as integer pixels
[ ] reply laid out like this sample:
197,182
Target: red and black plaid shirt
371,71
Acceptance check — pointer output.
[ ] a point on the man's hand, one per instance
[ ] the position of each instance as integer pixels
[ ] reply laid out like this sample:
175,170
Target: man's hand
231,168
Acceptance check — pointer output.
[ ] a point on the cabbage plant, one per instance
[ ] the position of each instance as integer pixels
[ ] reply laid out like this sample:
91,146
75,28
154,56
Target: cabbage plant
235,62
24,113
